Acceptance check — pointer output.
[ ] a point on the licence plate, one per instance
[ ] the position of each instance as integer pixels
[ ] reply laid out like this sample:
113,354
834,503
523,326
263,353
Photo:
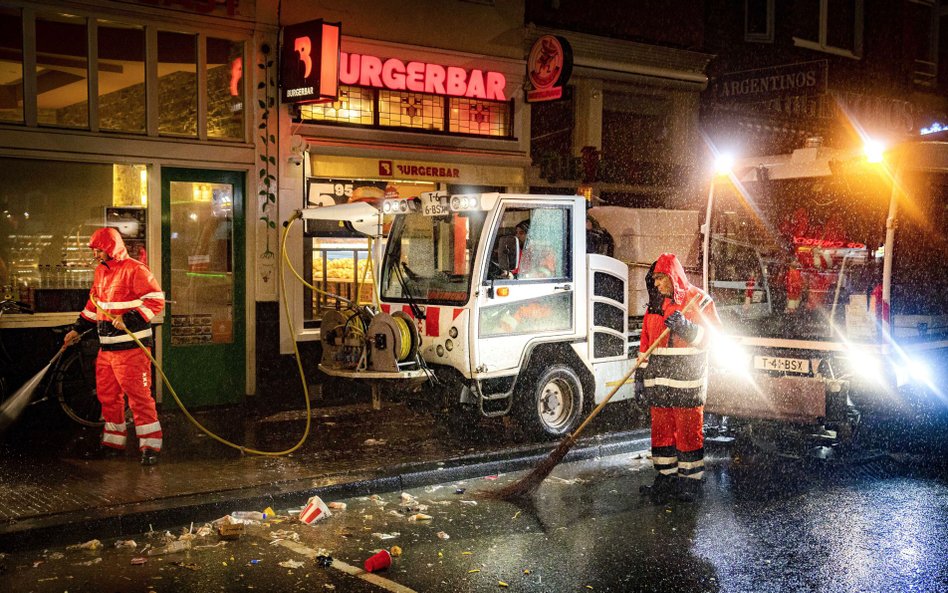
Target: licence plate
433,205
787,365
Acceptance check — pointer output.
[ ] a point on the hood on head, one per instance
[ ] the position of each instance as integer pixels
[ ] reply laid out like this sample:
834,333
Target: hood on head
668,264
110,241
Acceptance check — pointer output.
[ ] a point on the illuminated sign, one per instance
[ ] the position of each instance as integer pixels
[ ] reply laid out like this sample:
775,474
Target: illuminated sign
309,62
933,129
421,77
826,243
548,67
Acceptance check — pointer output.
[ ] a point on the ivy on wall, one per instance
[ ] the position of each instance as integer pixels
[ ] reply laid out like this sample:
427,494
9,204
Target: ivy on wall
266,102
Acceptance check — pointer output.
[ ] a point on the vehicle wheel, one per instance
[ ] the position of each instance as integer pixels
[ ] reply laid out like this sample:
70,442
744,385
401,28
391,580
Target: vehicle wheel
553,403
74,385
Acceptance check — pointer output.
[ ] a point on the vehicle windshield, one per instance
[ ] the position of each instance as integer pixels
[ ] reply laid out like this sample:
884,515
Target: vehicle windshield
430,258
799,258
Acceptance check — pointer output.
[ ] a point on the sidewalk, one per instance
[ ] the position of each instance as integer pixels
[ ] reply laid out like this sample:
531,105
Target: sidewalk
48,492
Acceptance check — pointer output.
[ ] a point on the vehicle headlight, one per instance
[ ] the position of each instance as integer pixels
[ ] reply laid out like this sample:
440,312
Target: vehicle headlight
729,355
916,372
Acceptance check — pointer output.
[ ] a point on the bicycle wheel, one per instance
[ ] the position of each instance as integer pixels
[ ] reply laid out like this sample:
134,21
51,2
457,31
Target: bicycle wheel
74,385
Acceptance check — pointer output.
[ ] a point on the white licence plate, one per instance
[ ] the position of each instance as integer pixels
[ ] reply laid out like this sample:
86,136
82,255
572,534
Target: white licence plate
787,365
432,205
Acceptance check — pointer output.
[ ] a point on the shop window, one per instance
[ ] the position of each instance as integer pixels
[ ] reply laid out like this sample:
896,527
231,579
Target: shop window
335,259
49,211
923,19
121,73
225,89
177,83
411,110
355,106
483,118
418,111
11,65
831,26
62,56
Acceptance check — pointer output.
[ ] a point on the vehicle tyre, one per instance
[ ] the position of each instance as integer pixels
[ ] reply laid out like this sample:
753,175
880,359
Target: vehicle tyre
74,386
552,404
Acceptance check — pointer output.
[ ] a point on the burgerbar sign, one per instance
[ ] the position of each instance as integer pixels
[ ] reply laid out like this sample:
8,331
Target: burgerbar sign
420,77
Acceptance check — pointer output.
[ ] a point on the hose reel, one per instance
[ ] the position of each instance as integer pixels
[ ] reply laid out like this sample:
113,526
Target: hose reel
391,340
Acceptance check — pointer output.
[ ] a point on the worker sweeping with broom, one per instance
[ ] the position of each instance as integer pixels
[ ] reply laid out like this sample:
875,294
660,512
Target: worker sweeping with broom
125,296
673,378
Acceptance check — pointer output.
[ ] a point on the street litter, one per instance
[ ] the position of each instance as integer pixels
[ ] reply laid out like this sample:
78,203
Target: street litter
384,536
282,535
337,506
378,561
443,535
408,498
126,543
292,564
374,442
88,562
314,510
571,482
53,556
172,548
324,560
472,503
92,544
230,531
395,550
420,517
459,490
138,561
430,489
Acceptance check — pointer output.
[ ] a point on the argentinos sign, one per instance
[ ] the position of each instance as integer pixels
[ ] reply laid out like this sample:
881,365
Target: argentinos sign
549,66
768,84
309,62
421,77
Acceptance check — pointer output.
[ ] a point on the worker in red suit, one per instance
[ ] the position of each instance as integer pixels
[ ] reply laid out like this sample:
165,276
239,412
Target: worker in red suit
125,296
673,380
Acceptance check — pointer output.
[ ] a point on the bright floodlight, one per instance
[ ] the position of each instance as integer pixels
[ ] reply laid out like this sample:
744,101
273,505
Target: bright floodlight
724,163
874,150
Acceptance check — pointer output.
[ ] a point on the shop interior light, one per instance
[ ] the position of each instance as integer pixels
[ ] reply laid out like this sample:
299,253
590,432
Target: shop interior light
874,150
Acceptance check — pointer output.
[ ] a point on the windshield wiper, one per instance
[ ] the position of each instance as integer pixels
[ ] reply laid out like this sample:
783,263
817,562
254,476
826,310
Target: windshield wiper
415,309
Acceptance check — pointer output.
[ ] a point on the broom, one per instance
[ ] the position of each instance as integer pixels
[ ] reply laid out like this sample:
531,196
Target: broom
529,483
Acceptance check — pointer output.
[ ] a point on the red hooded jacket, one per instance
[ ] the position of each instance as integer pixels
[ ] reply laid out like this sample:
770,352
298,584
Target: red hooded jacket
676,379
121,286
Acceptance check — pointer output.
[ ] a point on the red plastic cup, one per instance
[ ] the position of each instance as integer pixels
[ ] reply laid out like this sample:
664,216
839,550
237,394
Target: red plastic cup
378,561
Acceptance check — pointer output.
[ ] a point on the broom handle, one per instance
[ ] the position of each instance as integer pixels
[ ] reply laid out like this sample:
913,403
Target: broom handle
638,362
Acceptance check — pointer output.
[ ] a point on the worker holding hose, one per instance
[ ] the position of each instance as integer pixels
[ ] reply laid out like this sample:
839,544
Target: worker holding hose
673,380
124,299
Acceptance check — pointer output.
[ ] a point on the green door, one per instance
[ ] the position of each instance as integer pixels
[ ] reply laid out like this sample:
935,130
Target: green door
202,228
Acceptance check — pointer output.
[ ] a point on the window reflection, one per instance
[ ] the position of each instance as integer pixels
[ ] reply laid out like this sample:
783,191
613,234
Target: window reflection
121,73
225,89
11,66
177,84
62,71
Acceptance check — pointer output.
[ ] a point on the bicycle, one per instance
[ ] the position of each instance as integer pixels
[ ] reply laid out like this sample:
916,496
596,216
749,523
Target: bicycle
71,379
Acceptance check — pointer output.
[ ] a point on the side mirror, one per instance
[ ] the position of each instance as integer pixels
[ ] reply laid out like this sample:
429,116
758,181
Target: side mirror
508,252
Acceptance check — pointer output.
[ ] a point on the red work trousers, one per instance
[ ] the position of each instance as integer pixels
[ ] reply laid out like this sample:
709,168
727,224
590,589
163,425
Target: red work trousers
120,373
678,441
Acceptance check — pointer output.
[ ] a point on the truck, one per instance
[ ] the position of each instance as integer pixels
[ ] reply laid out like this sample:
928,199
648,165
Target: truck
826,270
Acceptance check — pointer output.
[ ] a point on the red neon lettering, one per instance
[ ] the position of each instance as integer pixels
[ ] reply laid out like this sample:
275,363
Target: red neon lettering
393,74
455,82
371,69
475,85
415,81
236,73
434,79
495,86
329,61
349,68
304,47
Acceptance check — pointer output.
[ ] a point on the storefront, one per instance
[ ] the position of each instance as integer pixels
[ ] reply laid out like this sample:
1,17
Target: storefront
132,115
407,120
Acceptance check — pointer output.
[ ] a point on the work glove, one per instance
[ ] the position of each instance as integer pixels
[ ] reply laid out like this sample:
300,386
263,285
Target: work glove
681,327
638,388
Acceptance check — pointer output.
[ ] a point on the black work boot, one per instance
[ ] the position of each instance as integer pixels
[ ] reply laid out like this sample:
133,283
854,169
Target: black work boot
101,452
149,457
662,489
689,489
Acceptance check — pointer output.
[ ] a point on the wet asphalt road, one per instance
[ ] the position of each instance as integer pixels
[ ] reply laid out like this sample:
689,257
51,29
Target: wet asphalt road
873,523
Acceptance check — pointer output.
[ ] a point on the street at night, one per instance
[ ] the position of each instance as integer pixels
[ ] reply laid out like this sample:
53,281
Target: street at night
451,296
873,523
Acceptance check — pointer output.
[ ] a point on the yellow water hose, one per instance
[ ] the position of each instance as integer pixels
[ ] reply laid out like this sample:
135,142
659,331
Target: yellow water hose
296,351
405,334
